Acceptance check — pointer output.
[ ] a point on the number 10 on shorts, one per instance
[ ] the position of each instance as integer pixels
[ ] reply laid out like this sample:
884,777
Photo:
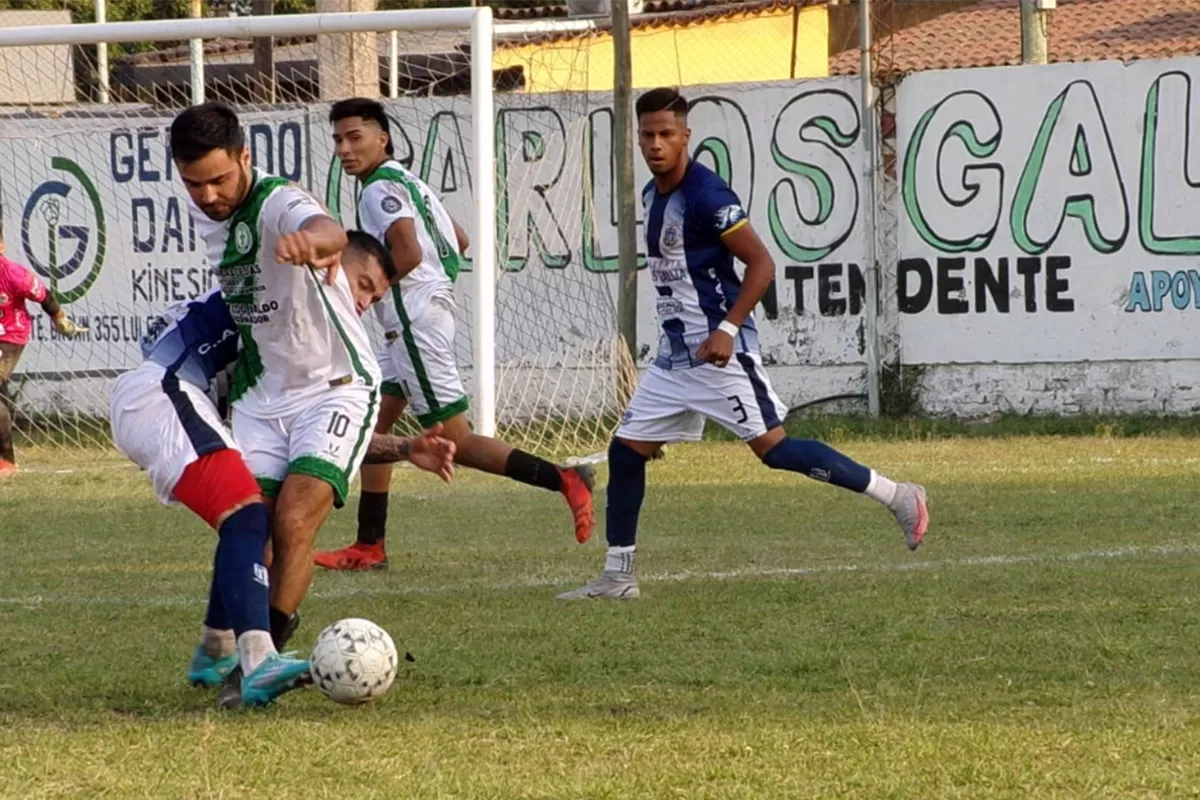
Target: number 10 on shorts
339,424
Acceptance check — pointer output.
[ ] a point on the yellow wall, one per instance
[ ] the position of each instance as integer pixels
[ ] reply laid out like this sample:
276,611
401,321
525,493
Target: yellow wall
737,49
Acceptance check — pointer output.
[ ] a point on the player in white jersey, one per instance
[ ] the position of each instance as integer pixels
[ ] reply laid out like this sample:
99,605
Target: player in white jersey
695,228
305,391
418,319
166,420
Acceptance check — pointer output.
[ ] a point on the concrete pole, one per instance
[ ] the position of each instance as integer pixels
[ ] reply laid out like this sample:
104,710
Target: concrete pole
1035,25
347,63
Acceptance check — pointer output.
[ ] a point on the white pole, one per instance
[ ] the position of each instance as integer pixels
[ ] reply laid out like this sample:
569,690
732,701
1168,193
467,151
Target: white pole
196,51
871,267
164,30
102,51
483,115
394,65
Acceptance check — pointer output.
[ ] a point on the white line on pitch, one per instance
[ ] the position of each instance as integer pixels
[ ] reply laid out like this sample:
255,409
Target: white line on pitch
72,470
331,593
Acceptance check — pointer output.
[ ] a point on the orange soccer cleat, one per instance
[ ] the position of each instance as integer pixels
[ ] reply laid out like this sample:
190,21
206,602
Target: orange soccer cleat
577,483
357,556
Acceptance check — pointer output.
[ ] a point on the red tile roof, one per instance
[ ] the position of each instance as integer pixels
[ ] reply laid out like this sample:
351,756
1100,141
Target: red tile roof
989,34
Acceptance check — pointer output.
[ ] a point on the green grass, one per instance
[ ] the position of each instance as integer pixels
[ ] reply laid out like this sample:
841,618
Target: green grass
1043,642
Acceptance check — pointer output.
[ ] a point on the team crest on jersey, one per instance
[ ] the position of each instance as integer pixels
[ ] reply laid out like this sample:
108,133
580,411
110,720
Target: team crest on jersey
243,238
671,236
728,215
391,205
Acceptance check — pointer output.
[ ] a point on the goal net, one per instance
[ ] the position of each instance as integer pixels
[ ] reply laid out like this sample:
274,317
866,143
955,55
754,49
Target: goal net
91,201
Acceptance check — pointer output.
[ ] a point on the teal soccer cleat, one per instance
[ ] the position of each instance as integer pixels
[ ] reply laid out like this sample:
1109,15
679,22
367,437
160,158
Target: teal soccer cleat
277,674
207,671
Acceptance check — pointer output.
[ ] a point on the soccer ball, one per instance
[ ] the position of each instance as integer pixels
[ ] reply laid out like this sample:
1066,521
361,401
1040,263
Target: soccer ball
353,661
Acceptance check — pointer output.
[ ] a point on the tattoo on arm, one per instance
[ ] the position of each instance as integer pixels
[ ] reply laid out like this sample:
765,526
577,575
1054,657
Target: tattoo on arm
387,449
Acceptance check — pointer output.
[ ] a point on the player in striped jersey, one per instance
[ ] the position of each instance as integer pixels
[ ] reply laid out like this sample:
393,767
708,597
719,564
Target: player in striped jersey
708,364
418,319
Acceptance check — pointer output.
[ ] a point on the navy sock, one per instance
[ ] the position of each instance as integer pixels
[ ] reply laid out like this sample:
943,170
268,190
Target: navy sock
239,571
626,490
215,616
820,462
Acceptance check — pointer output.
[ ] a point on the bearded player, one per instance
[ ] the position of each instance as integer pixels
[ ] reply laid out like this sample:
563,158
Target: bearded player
165,420
305,390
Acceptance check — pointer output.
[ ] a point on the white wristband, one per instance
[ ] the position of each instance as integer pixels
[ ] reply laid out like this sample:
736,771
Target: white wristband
728,327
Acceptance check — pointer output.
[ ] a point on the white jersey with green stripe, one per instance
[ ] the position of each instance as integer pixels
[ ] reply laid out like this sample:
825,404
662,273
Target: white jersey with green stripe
392,193
299,335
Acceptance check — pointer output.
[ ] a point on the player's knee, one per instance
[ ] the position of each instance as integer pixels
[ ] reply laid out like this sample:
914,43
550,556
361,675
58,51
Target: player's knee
622,454
292,530
303,503
217,485
457,430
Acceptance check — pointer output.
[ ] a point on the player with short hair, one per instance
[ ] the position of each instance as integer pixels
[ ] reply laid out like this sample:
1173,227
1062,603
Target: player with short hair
305,391
418,319
165,419
17,285
708,366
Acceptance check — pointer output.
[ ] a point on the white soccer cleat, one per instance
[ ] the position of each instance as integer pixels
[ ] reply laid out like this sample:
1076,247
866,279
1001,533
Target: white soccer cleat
613,585
911,512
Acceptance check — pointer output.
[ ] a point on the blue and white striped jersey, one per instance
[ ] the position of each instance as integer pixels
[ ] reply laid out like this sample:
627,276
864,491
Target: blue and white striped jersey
195,340
691,267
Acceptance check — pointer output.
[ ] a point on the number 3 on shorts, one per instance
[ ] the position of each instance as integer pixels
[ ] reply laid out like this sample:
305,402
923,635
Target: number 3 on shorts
738,409
339,424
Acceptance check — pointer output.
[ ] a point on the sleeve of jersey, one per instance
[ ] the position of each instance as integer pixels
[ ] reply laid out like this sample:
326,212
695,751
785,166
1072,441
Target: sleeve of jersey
720,210
31,287
290,207
381,204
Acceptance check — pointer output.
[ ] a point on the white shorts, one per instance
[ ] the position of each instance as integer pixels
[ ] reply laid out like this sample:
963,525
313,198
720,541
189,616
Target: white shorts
164,425
419,364
327,440
670,405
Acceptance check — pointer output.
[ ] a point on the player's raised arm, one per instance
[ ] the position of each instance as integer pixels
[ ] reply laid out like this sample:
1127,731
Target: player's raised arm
309,236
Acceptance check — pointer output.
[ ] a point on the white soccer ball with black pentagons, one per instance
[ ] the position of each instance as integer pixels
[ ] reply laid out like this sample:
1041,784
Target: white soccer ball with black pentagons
354,661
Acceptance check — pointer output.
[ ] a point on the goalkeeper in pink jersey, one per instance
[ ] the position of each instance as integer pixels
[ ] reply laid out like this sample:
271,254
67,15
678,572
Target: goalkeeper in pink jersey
18,284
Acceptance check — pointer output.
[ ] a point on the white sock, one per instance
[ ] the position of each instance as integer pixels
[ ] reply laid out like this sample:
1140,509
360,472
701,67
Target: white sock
253,647
620,559
216,643
881,489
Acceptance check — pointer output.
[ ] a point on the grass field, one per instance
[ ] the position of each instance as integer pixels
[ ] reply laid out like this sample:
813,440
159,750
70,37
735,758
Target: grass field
1042,643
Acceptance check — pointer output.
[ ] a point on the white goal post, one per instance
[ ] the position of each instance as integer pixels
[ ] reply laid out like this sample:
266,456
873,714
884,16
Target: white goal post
545,365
